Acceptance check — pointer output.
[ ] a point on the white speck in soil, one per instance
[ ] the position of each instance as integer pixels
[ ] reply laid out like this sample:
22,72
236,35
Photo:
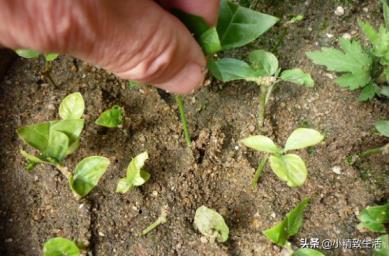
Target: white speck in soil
337,170
347,36
339,11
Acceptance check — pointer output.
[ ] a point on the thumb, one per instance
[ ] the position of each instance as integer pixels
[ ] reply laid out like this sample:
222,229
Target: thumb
135,39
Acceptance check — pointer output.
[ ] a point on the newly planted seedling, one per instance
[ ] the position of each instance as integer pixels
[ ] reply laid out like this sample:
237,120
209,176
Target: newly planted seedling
237,26
161,220
54,140
60,247
111,118
361,67
290,168
263,70
374,218
288,227
211,224
49,57
136,176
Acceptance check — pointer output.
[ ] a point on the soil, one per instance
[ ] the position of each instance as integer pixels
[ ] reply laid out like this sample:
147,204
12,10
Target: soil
215,172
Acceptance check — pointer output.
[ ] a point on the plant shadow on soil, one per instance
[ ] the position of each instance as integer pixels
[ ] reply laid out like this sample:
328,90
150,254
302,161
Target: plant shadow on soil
39,205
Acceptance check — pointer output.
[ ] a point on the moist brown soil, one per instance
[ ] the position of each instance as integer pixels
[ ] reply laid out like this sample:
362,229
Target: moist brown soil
216,171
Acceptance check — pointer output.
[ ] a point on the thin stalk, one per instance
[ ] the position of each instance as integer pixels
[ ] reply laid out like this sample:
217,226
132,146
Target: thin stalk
181,109
64,170
262,104
259,172
373,151
46,73
161,220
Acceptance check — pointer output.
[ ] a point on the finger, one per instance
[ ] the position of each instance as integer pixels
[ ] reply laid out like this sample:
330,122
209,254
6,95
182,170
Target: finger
134,39
208,9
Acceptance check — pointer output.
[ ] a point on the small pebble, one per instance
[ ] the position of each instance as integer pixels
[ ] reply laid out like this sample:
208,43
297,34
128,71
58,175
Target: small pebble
337,170
365,9
347,36
339,11
203,239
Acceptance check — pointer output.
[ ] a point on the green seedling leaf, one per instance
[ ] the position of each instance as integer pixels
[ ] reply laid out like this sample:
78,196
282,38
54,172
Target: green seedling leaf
211,224
297,76
27,53
207,37
384,248
238,26
87,174
369,92
289,226
58,145
32,160
262,144
111,118
353,61
35,135
229,69
51,56
307,252
60,247
303,138
295,19
374,218
383,127
289,168
386,13
135,175
369,31
72,106
265,63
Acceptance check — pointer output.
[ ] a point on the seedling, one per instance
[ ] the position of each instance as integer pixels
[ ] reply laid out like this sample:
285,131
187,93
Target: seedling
161,220
263,70
49,57
383,250
211,224
237,26
365,68
60,247
289,168
54,140
111,118
288,227
136,176
383,128
374,218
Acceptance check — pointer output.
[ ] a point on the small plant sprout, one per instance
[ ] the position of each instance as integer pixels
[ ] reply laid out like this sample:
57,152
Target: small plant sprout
60,247
374,218
161,220
288,167
55,140
136,176
362,68
288,227
263,70
382,250
184,121
211,224
111,118
49,57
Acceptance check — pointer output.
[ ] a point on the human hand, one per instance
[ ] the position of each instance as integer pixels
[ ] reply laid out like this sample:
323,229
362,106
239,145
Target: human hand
135,39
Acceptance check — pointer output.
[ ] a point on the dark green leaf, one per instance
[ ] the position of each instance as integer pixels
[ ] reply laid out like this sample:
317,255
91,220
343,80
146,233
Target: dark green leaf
383,127
87,174
135,175
297,76
369,31
238,26
307,252
211,224
111,118
27,53
60,247
383,250
72,106
209,41
229,69
289,226
266,63
369,92
289,168
374,218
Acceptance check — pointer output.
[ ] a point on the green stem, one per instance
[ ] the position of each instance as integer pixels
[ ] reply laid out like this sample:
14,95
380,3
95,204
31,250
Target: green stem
373,151
262,104
258,172
161,220
181,109
46,73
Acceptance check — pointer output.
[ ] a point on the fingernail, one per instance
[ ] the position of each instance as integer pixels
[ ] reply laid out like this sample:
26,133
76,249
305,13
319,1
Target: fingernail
190,78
